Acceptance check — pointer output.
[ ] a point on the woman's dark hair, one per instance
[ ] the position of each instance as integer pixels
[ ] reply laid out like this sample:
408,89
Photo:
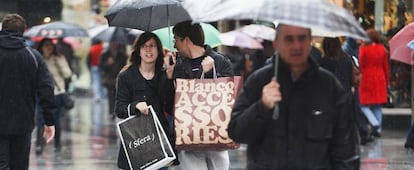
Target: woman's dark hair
140,41
332,48
42,43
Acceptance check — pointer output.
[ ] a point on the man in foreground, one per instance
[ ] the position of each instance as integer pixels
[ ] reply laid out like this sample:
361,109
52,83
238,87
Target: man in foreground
315,128
24,78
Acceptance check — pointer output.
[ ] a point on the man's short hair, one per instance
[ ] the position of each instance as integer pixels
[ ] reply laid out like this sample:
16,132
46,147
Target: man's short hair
277,27
13,22
193,31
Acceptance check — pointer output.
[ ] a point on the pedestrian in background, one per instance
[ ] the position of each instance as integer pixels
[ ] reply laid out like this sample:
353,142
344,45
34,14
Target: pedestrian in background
351,47
59,70
195,58
95,52
315,128
24,77
66,50
111,62
144,82
373,65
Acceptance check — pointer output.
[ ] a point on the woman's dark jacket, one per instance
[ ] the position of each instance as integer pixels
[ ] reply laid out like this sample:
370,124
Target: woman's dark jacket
315,128
132,88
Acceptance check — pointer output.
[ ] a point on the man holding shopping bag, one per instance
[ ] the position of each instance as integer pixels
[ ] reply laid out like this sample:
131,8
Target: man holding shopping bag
197,59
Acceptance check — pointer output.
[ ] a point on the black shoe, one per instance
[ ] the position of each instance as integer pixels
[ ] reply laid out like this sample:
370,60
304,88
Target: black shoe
58,148
366,139
408,145
376,134
40,145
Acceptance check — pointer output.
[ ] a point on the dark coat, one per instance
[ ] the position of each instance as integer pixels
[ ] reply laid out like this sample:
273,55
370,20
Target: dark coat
341,68
110,71
315,128
222,64
132,88
22,80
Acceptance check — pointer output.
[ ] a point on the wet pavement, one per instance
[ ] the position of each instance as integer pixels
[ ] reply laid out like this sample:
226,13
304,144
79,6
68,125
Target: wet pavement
89,141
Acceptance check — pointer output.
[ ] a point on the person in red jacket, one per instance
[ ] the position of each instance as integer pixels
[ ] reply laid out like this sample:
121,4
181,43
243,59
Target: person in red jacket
373,65
93,63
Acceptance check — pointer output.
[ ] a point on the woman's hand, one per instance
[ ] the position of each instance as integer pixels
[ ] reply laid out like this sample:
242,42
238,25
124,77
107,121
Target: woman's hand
142,107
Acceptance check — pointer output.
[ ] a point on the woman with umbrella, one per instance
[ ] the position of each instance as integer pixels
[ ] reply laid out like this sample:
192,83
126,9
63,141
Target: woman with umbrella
144,82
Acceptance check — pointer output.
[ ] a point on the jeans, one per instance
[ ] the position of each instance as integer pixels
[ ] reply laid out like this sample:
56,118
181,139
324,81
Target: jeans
97,89
203,160
374,115
41,122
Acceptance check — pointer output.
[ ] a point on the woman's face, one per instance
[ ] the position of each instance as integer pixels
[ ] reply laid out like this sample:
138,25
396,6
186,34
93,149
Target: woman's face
47,48
149,51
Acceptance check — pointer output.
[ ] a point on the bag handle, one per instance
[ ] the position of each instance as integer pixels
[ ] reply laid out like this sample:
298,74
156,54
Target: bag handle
160,131
214,73
129,110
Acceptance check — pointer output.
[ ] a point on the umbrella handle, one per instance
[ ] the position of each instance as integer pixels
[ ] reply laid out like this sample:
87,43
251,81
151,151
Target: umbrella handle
275,115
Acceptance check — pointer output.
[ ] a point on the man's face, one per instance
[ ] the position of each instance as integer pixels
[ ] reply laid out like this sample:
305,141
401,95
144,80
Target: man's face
179,44
293,45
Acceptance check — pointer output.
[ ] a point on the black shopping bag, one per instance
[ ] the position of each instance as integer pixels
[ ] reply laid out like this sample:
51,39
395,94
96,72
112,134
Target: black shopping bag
144,141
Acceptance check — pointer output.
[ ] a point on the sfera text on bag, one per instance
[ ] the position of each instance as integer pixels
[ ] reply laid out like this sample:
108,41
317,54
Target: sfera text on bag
202,110
141,141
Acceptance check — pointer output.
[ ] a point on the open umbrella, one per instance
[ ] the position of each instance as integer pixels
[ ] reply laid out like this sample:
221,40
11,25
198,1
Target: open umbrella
56,29
411,45
211,35
320,15
259,31
147,15
398,44
237,38
118,35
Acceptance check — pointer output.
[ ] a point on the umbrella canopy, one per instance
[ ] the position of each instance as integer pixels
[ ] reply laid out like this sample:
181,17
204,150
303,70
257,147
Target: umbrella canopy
320,15
147,15
237,38
56,29
259,31
118,35
411,45
398,44
211,36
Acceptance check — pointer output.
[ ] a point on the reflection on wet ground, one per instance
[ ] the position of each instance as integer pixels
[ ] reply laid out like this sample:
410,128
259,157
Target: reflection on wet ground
89,141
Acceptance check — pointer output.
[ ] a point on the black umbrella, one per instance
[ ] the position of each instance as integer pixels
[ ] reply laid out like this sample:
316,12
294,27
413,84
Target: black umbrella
56,29
147,15
118,35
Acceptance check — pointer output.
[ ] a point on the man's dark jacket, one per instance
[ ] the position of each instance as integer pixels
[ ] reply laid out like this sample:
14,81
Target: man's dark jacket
315,128
222,64
23,78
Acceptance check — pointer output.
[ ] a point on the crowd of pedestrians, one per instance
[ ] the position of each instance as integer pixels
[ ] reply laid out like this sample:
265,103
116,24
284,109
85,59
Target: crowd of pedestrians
323,116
